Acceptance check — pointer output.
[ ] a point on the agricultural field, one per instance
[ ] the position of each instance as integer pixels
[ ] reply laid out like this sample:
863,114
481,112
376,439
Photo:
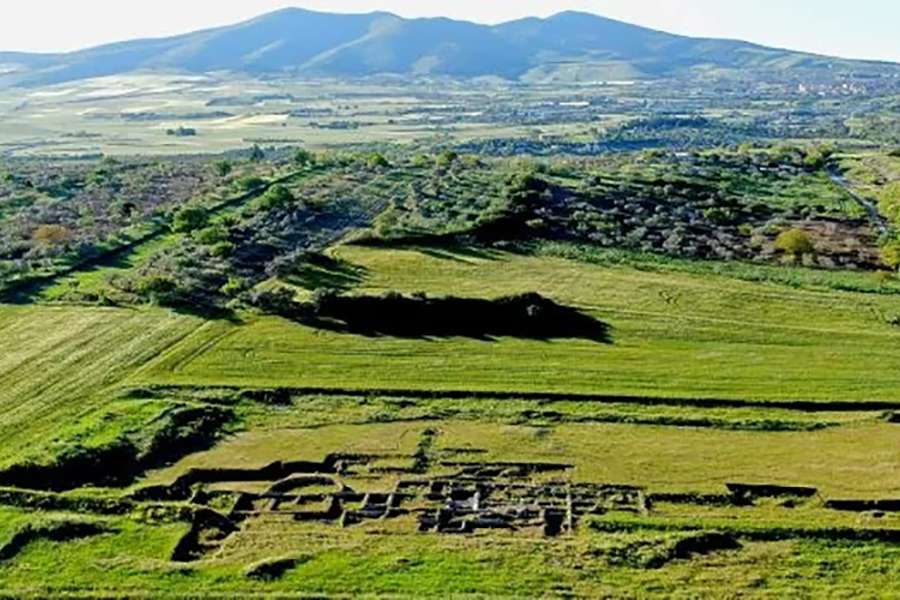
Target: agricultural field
166,115
668,330
58,362
383,339
162,115
713,441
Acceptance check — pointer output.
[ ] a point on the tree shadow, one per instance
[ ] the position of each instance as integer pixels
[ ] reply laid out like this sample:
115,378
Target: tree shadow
526,316
206,311
463,254
320,271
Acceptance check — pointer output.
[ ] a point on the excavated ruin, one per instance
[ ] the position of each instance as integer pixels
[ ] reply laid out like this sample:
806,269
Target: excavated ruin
512,496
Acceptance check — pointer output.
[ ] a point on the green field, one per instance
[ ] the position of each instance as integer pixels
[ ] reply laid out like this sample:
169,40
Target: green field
675,334
716,374
130,114
852,460
783,542
57,363
734,435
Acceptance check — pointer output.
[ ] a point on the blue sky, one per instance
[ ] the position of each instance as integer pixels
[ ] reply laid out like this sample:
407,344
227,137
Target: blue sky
855,29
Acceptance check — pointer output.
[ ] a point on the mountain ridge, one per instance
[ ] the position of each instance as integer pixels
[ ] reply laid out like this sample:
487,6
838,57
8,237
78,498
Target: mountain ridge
299,42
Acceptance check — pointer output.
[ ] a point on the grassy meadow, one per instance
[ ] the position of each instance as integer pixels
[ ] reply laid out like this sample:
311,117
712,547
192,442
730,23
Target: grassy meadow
856,460
675,334
682,338
58,363
784,548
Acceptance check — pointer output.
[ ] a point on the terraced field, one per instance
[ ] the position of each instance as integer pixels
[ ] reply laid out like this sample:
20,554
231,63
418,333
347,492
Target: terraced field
56,363
675,334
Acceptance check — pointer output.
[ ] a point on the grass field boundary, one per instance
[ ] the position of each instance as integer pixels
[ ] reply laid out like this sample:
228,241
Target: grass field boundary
809,406
758,534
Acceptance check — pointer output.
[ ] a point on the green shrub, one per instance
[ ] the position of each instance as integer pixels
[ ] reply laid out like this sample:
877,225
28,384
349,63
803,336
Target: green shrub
159,289
211,235
890,255
794,242
817,156
234,287
251,182
889,201
222,249
377,160
277,301
277,196
223,168
304,157
446,159
190,218
718,215
387,224
421,161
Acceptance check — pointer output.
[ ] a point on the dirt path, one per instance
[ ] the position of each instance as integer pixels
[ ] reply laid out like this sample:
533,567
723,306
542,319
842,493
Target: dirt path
868,205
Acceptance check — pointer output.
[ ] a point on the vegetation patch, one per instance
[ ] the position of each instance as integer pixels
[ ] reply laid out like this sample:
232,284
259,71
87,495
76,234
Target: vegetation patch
657,553
75,502
54,530
275,568
763,532
424,452
553,417
118,443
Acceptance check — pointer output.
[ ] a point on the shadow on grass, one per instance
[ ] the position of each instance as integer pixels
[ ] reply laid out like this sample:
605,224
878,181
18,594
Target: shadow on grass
320,271
526,316
462,254
205,311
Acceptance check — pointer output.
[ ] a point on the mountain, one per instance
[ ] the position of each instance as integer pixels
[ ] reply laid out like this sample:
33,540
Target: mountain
293,41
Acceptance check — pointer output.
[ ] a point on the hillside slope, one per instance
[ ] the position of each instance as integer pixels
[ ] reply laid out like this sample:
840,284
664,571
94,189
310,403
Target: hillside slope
301,42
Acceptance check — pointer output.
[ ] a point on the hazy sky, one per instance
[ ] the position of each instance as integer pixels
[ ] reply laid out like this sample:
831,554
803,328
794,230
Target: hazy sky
856,29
